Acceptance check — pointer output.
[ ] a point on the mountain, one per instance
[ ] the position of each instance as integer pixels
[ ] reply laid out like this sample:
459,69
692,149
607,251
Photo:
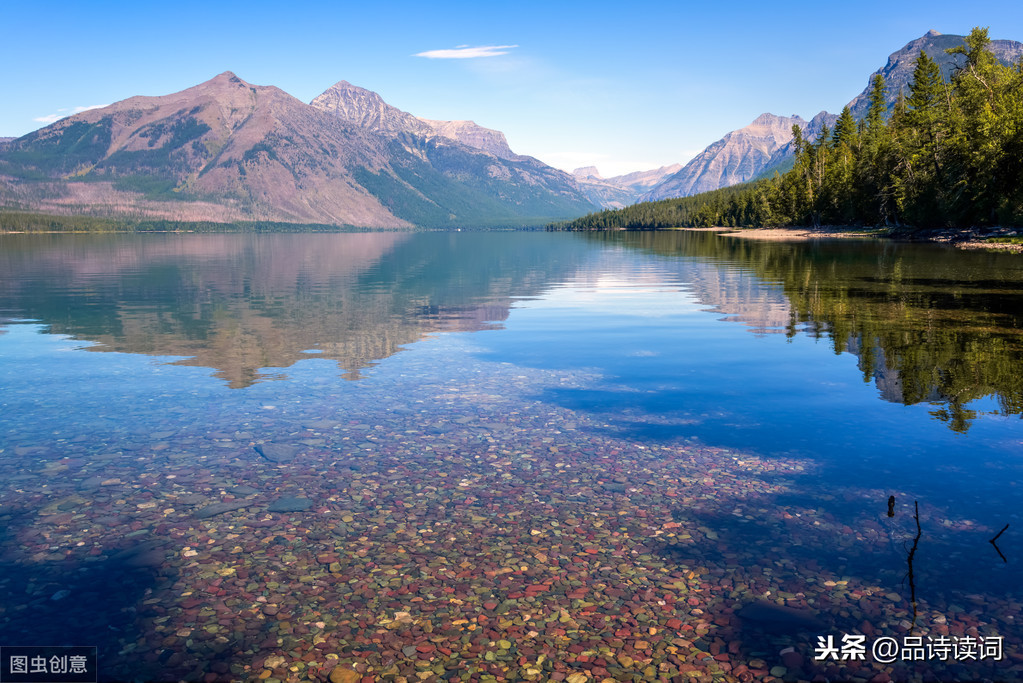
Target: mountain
645,180
587,172
439,157
739,156
898,71
226,150
367,109
619,191
473,135
223,150
784,157
765,147
603,193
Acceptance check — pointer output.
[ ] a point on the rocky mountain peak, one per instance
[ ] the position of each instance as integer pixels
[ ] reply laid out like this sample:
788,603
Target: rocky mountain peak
474,135
227,79
366,109
771,120
898,71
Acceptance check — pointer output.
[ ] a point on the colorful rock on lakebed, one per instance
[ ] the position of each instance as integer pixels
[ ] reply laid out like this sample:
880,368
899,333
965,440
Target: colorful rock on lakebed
423,544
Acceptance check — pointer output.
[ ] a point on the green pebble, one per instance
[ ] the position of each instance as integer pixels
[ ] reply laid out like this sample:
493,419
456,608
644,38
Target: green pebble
778,671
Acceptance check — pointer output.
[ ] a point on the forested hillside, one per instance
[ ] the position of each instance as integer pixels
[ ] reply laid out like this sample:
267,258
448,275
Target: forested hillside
949,154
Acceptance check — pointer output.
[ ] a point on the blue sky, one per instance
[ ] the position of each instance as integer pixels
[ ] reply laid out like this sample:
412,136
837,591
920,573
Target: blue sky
623,86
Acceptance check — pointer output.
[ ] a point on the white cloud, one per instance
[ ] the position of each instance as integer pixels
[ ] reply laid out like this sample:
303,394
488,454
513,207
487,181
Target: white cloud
466,52
62,113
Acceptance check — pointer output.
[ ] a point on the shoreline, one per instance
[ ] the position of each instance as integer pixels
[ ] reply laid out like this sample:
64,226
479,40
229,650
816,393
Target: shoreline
961,238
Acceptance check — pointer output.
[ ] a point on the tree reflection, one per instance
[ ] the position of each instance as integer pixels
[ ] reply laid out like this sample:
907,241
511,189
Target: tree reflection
928,324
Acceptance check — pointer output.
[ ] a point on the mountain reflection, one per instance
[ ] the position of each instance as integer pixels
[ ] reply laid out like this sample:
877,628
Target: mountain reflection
239,303
928,324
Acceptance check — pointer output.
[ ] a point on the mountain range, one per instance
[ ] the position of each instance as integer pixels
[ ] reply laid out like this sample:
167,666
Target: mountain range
739,156
226,150
619,191
229,151
764,146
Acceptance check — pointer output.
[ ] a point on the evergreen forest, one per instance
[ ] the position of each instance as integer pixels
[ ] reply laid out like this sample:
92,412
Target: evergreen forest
948,154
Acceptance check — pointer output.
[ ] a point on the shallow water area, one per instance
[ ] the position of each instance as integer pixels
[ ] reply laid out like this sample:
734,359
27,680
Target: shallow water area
509,456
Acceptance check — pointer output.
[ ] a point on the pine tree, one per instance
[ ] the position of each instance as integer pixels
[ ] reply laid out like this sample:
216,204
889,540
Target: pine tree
845,130
975,137
926,89
924,183
875,163
841,190
877,107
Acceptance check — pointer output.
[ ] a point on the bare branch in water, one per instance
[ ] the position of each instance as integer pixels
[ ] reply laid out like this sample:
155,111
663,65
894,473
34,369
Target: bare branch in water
997,549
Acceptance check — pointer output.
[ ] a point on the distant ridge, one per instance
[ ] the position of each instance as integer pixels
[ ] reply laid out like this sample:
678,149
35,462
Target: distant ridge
619,191
737,157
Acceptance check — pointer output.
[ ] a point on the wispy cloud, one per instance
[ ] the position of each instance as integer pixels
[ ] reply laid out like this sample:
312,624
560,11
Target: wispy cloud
62,113
467,52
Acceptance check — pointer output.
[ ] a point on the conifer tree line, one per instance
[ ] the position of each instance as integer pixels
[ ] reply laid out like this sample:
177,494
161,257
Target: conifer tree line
950,154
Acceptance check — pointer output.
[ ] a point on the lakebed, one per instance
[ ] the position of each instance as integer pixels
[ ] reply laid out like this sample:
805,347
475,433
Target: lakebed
509,456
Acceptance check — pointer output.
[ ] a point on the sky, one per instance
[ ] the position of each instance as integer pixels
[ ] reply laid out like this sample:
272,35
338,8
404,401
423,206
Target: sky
620,86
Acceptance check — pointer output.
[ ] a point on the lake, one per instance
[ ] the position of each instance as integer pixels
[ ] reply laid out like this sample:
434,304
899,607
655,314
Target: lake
511,456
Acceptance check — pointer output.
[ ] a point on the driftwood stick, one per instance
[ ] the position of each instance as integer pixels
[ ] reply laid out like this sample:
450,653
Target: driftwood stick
997,549
909,559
